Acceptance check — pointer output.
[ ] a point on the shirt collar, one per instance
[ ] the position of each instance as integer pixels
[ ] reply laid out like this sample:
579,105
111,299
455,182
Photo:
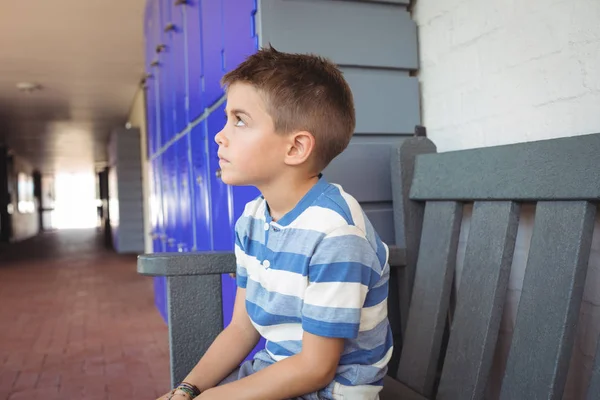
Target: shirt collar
306,201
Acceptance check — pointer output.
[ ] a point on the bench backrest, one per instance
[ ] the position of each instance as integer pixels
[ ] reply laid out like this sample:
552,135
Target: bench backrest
560,176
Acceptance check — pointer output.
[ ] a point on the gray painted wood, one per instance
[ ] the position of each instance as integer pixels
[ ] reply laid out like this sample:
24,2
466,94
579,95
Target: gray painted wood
407,215
380,215
186,264
397,257
480,300
556,169
403,2
594,386
349,33
126,165
429,305
394,390
375,45
386,101
363,169
195,320
540,352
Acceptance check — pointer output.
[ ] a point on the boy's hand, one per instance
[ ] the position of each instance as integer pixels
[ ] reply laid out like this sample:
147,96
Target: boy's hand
178,395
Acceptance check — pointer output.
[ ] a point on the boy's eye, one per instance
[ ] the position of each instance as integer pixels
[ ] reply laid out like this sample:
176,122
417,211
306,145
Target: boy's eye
238,121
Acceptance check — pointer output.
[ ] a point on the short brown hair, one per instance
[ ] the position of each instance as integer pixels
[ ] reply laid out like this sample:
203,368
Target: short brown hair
303,92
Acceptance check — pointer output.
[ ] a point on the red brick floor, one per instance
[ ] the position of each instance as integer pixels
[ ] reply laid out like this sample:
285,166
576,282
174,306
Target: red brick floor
78,322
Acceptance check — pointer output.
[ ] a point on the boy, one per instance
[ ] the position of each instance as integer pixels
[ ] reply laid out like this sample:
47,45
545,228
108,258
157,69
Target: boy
312,274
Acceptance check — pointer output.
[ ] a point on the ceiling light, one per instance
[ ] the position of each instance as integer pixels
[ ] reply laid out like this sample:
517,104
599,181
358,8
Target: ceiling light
28,86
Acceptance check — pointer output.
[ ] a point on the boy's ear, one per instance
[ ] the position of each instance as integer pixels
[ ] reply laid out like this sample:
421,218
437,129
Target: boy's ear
301,145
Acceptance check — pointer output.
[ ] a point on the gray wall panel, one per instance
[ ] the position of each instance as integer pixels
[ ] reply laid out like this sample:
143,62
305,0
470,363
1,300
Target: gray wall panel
126,162
386,101
363,169
349,33
375,44
382,219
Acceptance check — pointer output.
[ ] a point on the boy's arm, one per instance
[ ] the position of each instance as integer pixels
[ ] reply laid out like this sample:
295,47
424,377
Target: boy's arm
310,370
228,350
342,269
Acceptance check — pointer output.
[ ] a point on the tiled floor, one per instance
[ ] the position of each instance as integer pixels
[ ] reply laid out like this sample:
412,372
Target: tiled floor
78,322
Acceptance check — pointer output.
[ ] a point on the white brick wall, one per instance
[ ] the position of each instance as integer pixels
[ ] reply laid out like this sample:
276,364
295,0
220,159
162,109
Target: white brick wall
506,71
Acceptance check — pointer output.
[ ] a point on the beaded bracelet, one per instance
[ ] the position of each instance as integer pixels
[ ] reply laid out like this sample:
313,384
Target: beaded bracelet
172,394
190,389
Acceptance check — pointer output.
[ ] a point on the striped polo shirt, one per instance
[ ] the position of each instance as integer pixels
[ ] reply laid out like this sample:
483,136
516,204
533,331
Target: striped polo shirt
322,269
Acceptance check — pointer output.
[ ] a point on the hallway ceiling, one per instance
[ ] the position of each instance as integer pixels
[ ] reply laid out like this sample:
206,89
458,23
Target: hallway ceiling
88,58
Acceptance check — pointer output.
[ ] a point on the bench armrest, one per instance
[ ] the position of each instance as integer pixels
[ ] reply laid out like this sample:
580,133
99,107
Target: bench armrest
194,303
182,264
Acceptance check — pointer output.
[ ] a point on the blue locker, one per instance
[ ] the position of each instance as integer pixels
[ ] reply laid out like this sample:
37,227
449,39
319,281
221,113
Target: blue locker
154,224
167,91
151,120
150,28
221,221
212,51
193,34
160,288
169,187
178,68
239,33
157,203
184,225
200,173
160,296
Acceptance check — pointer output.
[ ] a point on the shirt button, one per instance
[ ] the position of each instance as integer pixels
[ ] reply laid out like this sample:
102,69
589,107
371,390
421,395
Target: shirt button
266,264
267,226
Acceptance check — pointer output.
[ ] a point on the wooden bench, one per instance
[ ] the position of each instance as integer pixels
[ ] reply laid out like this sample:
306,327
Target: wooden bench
560,176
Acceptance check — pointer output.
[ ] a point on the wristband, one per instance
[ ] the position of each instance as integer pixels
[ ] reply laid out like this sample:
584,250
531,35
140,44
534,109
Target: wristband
190,389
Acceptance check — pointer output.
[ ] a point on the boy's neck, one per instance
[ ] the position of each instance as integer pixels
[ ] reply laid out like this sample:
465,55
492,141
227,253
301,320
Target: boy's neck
282,196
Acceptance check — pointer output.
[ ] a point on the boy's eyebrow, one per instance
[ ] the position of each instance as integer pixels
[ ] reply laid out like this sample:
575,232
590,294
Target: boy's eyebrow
238,111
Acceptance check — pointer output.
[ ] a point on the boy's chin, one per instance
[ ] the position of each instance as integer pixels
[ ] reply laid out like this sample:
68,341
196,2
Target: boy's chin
234,181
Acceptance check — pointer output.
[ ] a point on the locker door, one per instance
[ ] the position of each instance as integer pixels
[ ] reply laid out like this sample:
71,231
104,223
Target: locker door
151,29
156,205
221,223
239,33
160,288
193,35
151,120
169,186
200,169
185,222
167,91
178,68
212,51
153,214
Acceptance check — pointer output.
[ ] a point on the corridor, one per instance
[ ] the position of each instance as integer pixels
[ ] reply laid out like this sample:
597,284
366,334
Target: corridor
78,322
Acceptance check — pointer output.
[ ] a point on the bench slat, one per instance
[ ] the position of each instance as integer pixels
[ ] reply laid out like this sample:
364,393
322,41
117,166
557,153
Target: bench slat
408,215
394,390
556,169
480,300
594,387
431,293
540,352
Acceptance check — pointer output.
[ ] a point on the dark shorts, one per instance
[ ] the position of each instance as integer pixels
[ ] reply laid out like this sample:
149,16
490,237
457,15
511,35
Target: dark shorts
250,367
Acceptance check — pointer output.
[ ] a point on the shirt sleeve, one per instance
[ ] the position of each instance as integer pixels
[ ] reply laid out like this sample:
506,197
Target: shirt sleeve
241,273
342,269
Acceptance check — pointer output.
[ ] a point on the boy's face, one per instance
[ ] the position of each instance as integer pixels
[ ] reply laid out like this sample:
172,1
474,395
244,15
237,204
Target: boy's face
250,152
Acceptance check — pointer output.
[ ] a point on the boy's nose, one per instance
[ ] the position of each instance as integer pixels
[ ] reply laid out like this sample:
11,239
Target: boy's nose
220,138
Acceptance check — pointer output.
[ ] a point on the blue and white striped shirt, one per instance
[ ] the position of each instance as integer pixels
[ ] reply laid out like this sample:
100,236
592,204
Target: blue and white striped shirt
322,269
